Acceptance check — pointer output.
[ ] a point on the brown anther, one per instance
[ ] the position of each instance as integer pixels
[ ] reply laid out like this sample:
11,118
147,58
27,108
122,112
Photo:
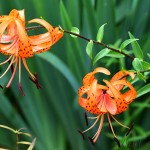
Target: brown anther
81,133
36,81
20,88
91,140
130,129
117,141
86,119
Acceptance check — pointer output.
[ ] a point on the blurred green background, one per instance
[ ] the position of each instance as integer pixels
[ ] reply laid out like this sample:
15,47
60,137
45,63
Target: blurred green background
52,114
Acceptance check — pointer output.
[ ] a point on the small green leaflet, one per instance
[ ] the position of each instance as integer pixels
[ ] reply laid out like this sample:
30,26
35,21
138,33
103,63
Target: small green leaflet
137,64
136,48
126,43
89,48
145,65
74,30
100,55
32,145
100,33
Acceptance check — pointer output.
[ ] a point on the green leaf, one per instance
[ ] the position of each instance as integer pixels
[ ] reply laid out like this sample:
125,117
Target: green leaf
146,65
74,30
143,90
137,64
141,76
136,48
115,54
100,33
127,42
148,54
100,55
89,48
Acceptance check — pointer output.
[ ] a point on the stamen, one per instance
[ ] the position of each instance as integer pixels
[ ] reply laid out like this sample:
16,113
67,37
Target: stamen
91,140
130,129
19,71
13,74
81,134
117,141
35,81
115,137
119,122
86,119
95,137
8,67
25,65
1,87
92,125
6,60
20,88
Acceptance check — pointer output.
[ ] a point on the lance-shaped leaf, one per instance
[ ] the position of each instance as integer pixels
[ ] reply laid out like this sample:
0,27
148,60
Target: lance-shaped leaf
145,65
89,48
100,55
126,43
100,33
74,30
136,48
143,90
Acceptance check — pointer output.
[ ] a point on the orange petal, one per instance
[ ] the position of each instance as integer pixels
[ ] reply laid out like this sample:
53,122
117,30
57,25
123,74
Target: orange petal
130,95
90,76
110,104
25,49
41,38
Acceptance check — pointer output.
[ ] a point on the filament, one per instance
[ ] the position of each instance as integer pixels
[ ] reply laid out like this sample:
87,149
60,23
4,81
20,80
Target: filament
99,129
92,125
6,60
119,122
8,67
25,64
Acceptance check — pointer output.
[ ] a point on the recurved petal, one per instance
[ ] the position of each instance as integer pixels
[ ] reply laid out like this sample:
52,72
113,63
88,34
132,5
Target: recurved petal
25,49
129,95
101,70
41,38
4,25
43,23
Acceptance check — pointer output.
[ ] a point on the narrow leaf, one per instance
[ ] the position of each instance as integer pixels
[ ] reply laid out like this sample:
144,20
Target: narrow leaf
74,30
143,90
100,55
126,43
100,33
89,48
136,48
146,65
115,54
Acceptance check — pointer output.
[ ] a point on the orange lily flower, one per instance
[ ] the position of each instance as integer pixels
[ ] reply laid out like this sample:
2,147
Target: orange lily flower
107,99
15,42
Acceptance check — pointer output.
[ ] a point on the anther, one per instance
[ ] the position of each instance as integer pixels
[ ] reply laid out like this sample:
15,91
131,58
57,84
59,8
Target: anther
117,141
130,129
91,140
20,88
81,133
86,119
36,81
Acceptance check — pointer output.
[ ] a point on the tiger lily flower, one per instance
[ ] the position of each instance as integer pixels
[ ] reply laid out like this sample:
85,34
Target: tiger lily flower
15,43
107,99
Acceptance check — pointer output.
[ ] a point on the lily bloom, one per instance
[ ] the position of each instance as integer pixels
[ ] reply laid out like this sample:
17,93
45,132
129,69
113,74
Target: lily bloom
110,99
15,42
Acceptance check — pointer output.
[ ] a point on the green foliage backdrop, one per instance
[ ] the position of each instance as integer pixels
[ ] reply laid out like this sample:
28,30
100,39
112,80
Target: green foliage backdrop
52,114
